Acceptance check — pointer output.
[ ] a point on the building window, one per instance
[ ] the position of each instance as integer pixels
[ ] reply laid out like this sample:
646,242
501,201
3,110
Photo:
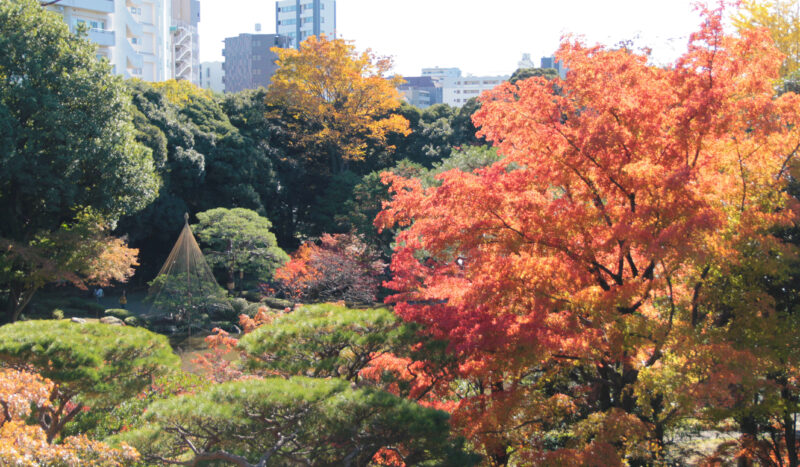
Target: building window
92,23
136,10
136,71
288,8
308,20
135,40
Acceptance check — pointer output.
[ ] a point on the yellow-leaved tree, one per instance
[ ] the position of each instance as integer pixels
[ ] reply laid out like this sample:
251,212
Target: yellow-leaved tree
335,100
782,19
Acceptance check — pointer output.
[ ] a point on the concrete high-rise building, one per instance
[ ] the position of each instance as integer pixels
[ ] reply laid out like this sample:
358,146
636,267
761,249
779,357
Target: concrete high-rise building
211,76
456,91
185,40
552,62
249,62
420,91
133,36
299,19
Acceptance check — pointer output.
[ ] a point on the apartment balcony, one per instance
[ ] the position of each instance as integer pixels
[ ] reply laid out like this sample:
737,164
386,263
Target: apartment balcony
102,37
105,6
133,25
132,58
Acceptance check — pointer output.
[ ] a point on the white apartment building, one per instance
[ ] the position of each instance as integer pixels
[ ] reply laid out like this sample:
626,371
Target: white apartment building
456,91
299,19
211,76
153,40
133,35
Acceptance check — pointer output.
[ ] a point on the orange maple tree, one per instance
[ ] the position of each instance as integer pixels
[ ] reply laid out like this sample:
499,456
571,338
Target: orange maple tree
569,276
81,253
21,444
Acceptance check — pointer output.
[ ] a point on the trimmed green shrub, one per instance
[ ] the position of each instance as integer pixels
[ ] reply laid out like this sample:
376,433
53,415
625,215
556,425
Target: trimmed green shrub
277,303
118,313
132,321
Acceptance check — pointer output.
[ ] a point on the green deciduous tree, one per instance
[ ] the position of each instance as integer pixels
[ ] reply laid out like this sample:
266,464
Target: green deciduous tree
66,140
239,241
204,159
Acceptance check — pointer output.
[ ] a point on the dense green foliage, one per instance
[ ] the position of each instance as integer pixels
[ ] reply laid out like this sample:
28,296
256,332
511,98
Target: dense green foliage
296,421
67,151
325,341
204,160
99,363
239,241
65,127
525,73
368,196
92,364
103,423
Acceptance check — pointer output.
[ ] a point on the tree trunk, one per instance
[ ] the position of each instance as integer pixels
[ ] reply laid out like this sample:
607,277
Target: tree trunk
231,267
789,432
18,299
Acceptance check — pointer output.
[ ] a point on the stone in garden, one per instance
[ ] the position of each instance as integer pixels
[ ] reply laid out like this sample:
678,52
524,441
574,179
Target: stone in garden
112,320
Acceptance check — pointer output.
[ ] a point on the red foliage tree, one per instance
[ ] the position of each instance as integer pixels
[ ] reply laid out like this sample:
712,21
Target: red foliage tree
339,267
569,276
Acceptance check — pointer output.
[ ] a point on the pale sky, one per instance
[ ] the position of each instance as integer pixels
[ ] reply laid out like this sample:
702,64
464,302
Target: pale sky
481,37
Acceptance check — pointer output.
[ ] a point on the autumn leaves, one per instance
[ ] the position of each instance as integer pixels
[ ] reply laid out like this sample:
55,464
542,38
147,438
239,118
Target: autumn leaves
589,249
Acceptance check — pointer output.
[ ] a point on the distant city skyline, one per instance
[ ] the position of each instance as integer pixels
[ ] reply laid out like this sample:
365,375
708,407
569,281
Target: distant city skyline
479,37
